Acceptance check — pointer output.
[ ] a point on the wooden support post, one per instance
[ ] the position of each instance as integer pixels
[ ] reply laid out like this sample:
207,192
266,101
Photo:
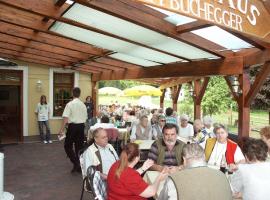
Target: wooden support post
95,97
243,109
199,90
175,93
162,98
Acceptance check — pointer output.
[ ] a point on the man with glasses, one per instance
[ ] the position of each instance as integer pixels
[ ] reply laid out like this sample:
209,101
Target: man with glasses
157,128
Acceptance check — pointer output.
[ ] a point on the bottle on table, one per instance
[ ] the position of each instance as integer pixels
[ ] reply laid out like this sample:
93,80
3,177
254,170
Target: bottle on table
223,164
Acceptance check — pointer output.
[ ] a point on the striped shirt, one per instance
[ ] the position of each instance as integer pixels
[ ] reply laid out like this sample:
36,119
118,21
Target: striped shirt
170,158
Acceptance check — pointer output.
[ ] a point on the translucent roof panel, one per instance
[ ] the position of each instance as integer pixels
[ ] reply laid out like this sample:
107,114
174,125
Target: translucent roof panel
130,31
174,18
111,43
222,37
134,60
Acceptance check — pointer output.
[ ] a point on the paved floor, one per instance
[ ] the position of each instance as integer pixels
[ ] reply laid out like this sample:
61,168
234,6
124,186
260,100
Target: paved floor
40,172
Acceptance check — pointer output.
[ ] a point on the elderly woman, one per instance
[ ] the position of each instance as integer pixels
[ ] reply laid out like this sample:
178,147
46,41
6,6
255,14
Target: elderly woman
253,179
208,125
185,129
265,136
124,182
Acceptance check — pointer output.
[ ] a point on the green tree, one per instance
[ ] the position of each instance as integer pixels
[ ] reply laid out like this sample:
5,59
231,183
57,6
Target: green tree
217,97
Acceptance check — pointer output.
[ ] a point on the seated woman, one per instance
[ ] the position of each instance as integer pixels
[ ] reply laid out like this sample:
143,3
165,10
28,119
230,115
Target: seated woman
125,183
185,129
142,131
265,136
253,179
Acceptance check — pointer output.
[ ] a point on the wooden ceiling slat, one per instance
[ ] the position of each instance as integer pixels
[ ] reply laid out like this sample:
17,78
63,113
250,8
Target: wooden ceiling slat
11,12
41,46
60,2
29,60
35,52
104,66
198,24
32,56
115,62
21,19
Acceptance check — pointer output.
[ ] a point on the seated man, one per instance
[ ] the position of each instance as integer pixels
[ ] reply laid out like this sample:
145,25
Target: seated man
141,131
221,146
100,154
196,180
200,133
167,150
104,123
157,128
208,125
170,119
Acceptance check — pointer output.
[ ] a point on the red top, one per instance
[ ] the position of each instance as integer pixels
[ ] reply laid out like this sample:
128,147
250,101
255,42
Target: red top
128,187
231,148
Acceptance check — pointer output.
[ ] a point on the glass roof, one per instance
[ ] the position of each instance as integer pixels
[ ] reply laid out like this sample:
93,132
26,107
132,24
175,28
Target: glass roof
112,44
134,60
222,37
127,30
174,18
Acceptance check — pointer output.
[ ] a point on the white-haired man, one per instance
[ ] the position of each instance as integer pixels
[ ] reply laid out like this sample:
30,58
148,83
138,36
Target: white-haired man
196,180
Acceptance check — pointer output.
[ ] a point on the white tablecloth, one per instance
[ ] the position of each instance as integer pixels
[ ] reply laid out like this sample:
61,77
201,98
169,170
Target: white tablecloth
144,144
150,177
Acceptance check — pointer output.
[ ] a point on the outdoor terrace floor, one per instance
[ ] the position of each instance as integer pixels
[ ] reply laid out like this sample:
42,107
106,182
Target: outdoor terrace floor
37,171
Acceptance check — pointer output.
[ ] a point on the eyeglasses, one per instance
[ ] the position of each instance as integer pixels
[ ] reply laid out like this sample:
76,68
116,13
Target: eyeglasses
162,120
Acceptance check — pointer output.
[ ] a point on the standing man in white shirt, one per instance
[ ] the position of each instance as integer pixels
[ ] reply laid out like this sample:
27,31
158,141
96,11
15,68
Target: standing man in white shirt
75,115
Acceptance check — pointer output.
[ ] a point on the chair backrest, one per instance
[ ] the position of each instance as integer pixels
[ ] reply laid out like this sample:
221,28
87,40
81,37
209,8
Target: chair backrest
113,134
96,184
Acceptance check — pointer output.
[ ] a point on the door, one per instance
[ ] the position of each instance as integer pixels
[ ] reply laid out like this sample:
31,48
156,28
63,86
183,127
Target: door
10,106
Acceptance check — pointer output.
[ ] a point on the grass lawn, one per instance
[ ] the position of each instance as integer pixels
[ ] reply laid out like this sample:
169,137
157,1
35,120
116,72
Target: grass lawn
258,118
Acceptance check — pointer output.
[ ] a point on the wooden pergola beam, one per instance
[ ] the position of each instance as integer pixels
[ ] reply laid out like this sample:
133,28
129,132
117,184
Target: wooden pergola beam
178,81
259,80
203,86
191,26
227,66
258,57
60,2
235,96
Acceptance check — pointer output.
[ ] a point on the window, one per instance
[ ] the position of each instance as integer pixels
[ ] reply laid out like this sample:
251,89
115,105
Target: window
62,91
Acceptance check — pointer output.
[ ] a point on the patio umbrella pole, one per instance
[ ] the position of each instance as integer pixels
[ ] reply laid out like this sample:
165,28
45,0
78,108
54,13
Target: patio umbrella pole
3,195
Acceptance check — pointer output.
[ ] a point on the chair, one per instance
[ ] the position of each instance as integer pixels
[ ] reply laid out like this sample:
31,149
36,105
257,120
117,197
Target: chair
94,184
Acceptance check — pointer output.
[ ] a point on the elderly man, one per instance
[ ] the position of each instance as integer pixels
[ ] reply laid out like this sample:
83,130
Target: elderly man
157,128
167,150
196,180
185,129
221,146
100,154
201,134
208,125
141,131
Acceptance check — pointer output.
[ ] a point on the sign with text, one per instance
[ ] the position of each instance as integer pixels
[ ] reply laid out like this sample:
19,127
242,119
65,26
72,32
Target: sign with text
246,16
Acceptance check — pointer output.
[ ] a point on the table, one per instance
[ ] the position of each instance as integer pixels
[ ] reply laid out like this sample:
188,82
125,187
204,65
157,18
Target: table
185,140
150,177
144,144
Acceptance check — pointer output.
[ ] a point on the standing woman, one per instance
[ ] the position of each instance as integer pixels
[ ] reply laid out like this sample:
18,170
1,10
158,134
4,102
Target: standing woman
42,112
125,183
90,109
